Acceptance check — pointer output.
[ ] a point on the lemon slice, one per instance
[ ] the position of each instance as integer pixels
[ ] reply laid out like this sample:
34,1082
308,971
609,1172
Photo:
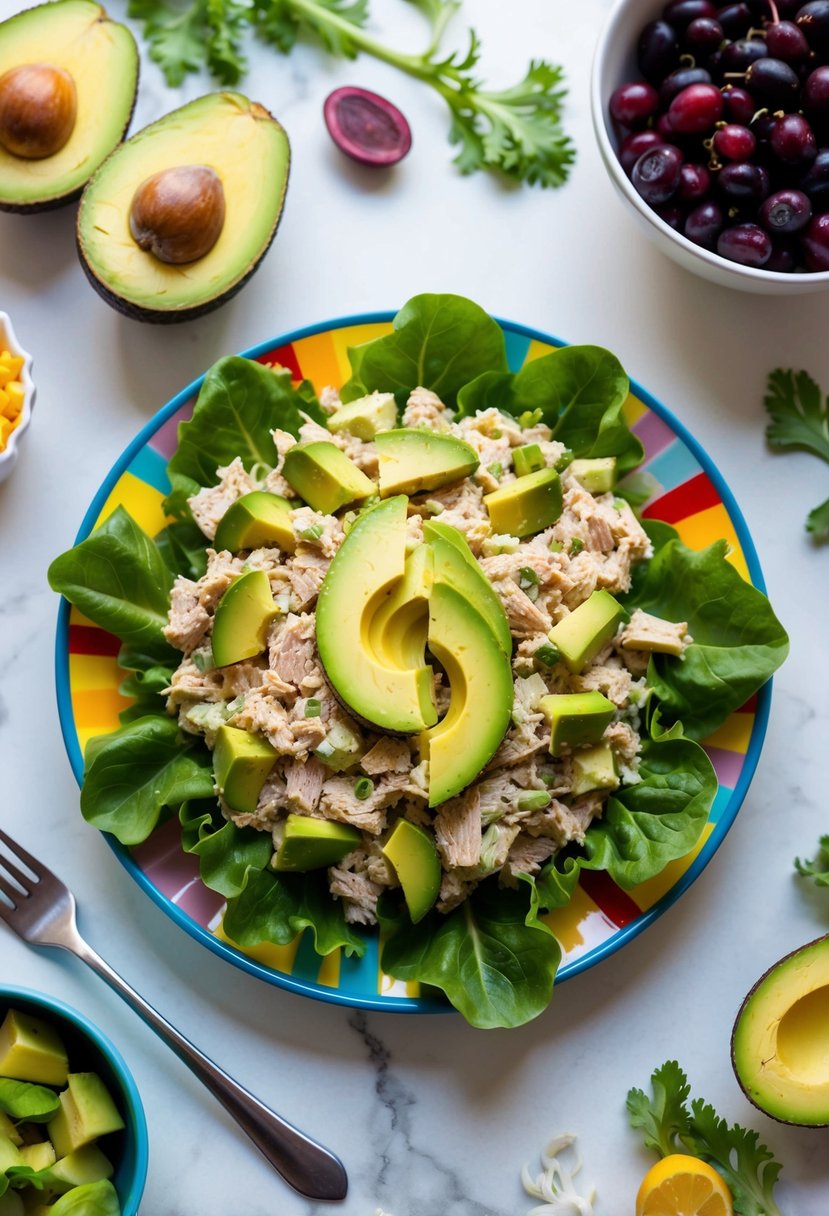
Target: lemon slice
683,1186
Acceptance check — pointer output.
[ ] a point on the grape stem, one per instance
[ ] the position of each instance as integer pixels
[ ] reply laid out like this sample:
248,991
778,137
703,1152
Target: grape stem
775,15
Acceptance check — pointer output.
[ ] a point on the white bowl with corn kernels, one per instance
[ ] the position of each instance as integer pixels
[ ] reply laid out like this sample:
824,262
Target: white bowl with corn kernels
17,395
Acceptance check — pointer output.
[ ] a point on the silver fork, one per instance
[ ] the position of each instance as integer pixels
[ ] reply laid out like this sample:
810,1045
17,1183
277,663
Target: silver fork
41,910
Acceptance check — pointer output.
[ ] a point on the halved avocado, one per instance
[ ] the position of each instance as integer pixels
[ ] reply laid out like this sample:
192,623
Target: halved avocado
75,37
457,565
245,148
780,1041
369,562
400,623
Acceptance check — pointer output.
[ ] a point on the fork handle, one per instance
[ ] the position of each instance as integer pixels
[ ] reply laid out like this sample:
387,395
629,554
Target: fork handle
307,1166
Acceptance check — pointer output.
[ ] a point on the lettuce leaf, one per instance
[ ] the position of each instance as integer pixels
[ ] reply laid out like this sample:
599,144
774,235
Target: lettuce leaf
439,341
494,960
146,686
738,640
25,1100
276,907
227,855
580,392
140,770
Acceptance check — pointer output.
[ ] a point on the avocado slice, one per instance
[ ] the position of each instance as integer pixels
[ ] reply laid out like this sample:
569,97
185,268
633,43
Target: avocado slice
576,718
100,58
399,625
527,505
412,852
594,768
325,477
311,844
32,1050
480,678
242,145
365,416
528,459
412,460
241,763
597,475
257,519
84,1165
456,564
779,1042
371,559
87,1112
38,1156
10,1154
243,617
580,636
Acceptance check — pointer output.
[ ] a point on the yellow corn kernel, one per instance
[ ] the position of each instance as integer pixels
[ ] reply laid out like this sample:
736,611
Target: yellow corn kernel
13,362
5,431
4,401
14,392
6,375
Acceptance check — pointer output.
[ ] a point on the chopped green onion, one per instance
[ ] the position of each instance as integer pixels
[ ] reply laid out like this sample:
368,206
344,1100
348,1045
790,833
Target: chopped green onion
527,577
619,504
496,468
348,521
235,705
555,546
312,533
433,506
363,788
528,459
203,659
495,434
548,778
313,707
530,418
566,458
548,654
576,545
533,800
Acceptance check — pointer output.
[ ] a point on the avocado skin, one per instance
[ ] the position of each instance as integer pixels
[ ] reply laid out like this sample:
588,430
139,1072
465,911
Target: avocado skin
63,200
161,316
745,1007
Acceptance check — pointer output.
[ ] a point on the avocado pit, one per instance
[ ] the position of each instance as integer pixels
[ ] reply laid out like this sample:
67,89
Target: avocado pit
38,109
178,214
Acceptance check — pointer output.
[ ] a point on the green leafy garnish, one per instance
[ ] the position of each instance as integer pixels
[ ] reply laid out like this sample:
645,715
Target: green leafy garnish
818,868
800,421
669,1126
24,1100
515,131
276,907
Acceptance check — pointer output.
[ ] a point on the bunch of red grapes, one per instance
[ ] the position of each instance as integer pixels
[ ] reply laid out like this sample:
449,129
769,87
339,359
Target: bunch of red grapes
727,136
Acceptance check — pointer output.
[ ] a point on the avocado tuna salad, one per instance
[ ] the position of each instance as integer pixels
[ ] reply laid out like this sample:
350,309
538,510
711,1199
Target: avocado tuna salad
525,803
408,659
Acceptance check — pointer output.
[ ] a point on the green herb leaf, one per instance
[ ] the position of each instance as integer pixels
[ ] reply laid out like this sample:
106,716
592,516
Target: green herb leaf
23,1100
664,1117
817,522
276,907
818,868
118,578
799,413
494,967
747,1166
147,688
138,771
227,855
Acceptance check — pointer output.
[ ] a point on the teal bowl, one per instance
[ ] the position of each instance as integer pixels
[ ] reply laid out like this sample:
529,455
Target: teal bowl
89,1050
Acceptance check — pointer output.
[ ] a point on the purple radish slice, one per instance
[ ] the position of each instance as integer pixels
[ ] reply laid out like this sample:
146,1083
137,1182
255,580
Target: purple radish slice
366,127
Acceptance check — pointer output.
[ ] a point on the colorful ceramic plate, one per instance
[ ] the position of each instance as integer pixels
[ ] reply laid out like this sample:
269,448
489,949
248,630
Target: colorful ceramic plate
688,492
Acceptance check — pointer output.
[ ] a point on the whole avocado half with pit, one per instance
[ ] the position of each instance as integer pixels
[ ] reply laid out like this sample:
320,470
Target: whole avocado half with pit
222,138
80,41
780,1037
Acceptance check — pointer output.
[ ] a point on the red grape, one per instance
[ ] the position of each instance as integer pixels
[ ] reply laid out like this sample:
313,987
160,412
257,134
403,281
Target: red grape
658,51
815,243
815,96
785,212
656,173
704,224
738,105
694,183
747,244
696,109
734,142
633,145
792,140
633,104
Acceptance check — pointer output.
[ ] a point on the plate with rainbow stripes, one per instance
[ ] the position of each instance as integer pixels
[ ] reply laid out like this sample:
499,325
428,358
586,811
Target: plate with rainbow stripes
687,492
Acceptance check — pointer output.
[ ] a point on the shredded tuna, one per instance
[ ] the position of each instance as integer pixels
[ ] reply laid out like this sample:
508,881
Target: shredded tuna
453,890
369,814
306,570
317,532
425,409
521,743
242,678
329,399
652,633
269,808
303,784
188,620
623,740
190,684
387,756
291,647
528,853
222,569
209,505
463,508
358,893
525,618
458,830
612,679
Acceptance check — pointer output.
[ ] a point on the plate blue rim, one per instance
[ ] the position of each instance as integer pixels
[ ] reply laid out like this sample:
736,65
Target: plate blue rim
403,1004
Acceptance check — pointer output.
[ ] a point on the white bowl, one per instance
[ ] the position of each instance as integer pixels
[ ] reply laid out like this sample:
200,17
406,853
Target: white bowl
8,341
613,64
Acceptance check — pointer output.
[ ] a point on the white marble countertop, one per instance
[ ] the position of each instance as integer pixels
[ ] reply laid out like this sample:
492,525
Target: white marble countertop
431,1118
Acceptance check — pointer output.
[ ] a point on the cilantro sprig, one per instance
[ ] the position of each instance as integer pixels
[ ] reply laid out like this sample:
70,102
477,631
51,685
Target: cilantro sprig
818,868
515,131
800,421
671,1126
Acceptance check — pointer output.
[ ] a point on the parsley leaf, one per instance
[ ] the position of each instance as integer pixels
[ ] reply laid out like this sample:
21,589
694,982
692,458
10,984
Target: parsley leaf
800,420
818,868
747,1166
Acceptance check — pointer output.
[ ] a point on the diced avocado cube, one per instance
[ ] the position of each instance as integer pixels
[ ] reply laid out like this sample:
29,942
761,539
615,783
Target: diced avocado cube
527,505
38,1156
311,844
527,459
594,768
241,763
87,1164
254,520
581,635
243,618
412,852
324,476
341,748
365,416
412,460
10,1154
598,475
31,1050
87,1113
576,718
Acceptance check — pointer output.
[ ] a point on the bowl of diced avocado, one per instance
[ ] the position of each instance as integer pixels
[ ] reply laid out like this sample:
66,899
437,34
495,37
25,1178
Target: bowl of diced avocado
73,1137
